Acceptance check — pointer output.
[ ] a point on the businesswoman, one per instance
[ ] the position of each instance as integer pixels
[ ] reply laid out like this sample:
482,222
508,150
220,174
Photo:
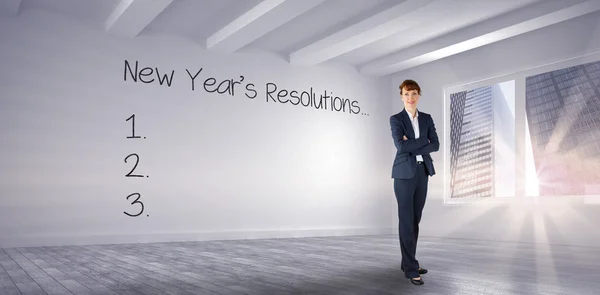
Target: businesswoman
415,138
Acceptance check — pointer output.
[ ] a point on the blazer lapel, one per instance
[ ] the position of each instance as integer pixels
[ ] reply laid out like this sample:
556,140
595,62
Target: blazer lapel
408,124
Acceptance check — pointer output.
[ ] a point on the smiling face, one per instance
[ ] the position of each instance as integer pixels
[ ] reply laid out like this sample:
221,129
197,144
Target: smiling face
410,98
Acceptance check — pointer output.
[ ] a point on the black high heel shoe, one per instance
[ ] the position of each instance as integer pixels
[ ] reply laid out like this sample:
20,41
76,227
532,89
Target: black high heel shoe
417,282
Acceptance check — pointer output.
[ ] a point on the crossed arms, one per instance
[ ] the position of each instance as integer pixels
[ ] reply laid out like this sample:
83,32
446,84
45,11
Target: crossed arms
419,146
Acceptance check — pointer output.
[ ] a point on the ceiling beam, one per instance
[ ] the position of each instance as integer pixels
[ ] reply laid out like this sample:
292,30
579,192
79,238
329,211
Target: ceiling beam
130,17
256,22
10,7
372,29
519,22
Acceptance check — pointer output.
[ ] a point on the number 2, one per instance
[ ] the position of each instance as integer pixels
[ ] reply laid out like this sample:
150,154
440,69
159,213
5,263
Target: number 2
137,160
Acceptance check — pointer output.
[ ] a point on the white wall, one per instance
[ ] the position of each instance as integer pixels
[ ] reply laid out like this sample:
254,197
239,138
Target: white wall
219,166
569,221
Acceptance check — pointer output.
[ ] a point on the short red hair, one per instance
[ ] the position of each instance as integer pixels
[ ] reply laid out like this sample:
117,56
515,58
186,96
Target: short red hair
410,85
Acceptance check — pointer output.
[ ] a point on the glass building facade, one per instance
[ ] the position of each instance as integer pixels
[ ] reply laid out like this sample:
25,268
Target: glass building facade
563,115
471,143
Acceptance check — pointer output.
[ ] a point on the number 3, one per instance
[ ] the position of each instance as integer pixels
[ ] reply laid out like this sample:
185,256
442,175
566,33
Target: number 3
135,202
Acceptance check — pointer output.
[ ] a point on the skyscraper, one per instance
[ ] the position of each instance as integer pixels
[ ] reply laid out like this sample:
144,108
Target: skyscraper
482,142
471,143
563,114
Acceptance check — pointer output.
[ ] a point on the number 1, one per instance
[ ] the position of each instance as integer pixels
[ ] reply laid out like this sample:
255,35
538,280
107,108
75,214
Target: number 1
132,118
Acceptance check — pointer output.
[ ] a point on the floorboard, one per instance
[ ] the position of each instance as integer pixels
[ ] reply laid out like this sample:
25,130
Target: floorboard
325,265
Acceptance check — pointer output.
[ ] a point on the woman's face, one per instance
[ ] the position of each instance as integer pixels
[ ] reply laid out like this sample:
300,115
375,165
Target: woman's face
410,98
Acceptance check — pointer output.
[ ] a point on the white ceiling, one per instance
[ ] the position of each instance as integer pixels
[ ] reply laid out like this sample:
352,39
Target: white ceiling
378,37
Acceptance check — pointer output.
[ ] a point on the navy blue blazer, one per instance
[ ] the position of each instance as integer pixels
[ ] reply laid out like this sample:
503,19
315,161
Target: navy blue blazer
405,163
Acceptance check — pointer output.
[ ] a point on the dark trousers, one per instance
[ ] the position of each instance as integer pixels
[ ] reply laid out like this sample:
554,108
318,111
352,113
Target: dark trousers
411,195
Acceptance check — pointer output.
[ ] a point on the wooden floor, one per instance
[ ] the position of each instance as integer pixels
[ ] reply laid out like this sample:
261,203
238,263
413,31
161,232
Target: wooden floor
334,265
